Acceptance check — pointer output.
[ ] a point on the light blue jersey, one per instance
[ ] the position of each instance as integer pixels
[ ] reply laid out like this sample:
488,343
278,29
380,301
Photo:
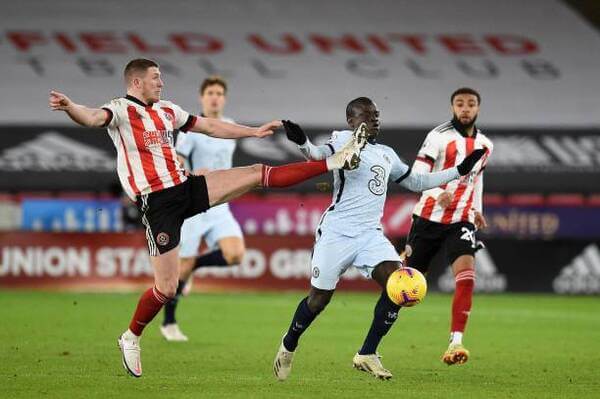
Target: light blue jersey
359,195
203,151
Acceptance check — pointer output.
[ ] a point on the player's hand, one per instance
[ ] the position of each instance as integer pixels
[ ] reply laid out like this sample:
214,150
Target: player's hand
469,162
58,101
294,132
267,129
444,199
480,221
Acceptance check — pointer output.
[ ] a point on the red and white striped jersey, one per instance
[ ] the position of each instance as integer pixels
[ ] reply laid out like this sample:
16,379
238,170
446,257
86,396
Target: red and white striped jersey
445,147
143,137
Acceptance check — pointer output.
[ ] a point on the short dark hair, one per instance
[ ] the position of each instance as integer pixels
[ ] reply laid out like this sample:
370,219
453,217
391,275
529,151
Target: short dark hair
354,105
138,65
465,90
213,80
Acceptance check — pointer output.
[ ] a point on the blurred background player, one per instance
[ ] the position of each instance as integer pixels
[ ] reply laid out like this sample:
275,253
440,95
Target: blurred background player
448,216
217,226
350,232
141,126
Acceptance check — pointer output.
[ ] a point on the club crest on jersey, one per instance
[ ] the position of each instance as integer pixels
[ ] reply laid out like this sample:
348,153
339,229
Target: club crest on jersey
162,239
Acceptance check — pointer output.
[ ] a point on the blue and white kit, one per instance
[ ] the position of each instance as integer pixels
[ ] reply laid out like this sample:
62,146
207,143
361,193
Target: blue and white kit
350,231
205,152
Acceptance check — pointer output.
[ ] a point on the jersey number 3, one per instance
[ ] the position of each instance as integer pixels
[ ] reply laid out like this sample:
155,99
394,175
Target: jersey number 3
377,183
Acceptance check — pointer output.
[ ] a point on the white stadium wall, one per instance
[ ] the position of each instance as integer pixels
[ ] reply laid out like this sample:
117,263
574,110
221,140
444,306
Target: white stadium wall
293,60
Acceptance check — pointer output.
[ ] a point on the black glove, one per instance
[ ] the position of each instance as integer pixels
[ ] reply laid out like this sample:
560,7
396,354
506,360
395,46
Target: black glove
294,132
470,161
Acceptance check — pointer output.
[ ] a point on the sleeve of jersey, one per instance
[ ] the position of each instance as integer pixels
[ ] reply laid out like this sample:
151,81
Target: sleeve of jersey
399,170
428,153
183,119
419,182
315,152
112,109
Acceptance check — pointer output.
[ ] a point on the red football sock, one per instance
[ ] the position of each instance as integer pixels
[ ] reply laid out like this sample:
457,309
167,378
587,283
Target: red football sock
290,174
149,305
463,295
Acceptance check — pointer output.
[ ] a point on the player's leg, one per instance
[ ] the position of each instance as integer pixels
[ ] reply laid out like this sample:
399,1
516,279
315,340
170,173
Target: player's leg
377,259
460,248
162,215
224,239
225,185
306,312
332,254
169,328
192,230
149,304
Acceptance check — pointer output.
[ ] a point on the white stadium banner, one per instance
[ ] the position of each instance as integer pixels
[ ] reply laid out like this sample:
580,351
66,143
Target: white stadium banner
535,62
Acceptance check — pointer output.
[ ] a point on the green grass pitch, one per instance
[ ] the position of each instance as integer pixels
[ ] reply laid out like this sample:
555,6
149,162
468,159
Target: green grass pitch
63,345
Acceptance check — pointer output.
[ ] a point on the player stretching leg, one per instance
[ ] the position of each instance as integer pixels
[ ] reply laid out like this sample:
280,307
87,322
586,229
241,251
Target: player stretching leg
449,216
350,234
141,126
216,226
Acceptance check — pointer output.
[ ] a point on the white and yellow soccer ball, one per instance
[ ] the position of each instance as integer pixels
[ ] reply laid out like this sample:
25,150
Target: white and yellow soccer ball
406,287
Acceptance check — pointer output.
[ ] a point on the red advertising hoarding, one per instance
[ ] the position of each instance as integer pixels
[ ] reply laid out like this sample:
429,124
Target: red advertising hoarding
120,261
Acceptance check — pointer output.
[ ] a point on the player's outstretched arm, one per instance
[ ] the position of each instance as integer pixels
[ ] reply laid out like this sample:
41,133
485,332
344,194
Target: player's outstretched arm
90,117
310,151
225,130
425,181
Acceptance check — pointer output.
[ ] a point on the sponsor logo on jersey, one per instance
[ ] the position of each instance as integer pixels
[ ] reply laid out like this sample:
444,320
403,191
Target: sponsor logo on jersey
582,275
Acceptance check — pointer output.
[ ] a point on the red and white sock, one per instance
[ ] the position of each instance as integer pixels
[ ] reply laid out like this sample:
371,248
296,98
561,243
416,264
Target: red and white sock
461,305
148,306
291,174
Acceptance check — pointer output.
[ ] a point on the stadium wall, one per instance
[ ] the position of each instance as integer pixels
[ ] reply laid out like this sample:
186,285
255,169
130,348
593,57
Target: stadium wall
119,261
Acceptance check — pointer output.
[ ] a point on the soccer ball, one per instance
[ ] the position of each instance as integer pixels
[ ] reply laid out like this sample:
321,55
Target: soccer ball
406,287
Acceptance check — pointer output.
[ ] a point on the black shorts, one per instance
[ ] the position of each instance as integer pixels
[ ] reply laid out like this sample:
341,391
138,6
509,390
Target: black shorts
426,238
163,212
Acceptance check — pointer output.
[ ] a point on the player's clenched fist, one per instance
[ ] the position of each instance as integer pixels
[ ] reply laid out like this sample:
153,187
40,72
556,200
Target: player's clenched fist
58,101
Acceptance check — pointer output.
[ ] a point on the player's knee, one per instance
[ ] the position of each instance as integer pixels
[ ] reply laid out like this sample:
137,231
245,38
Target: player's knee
168,289
462,263
317,303
234,257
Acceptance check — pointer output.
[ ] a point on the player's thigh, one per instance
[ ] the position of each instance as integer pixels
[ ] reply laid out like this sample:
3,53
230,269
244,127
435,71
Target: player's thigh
461,245
422,244
192,231
374,249
225,185
332,255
